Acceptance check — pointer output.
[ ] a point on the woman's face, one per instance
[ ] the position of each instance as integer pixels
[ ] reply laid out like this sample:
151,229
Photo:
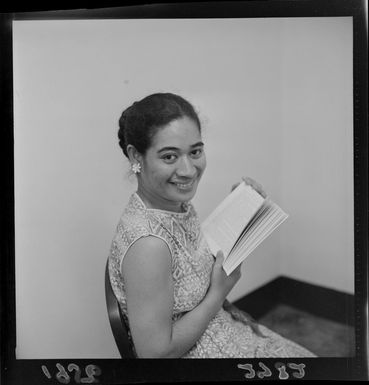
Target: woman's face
173,165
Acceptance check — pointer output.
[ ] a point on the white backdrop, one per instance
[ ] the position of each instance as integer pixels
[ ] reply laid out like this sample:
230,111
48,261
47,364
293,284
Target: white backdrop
275,99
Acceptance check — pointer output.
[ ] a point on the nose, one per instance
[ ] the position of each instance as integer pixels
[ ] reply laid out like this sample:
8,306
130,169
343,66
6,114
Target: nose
186,168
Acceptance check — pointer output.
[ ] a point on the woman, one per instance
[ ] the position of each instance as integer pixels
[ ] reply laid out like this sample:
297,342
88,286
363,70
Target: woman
171,290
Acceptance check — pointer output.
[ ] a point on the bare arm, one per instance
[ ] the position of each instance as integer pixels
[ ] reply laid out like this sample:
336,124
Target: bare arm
147,273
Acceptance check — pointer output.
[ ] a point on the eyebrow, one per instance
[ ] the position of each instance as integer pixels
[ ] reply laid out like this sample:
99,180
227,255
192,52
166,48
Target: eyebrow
169,148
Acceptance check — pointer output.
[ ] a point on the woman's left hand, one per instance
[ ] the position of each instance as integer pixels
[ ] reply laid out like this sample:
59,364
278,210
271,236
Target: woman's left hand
255,185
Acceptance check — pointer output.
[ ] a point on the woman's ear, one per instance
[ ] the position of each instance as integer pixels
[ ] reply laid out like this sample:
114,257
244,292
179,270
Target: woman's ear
133,155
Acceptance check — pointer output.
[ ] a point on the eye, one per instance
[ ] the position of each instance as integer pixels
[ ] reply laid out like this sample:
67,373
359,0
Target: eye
197,152
169,158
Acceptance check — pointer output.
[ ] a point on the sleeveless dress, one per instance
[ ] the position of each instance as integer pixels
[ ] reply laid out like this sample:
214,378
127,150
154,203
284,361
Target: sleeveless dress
225,336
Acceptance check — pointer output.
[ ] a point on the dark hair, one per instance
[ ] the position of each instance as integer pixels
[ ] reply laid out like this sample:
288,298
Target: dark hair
140,122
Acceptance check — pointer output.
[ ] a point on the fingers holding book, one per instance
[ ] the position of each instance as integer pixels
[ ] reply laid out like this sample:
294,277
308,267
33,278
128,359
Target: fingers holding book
255,185
219,259
221,283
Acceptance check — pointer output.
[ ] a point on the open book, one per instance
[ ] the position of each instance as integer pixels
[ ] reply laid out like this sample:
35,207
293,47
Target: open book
240,223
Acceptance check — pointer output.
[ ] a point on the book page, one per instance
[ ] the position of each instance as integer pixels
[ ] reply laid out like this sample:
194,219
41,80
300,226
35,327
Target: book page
261,213
225,224
267,220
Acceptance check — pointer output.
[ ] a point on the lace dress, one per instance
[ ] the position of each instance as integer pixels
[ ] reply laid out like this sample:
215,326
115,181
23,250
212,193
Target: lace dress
225,337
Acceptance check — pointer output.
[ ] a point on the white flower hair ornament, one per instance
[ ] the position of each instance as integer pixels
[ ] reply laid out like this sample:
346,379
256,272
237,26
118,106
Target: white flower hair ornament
136,168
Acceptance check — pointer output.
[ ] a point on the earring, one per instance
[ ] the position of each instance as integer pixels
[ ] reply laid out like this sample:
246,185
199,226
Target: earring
136,168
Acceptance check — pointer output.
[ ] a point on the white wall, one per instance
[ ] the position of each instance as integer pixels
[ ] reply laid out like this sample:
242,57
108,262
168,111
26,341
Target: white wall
275,99
317,243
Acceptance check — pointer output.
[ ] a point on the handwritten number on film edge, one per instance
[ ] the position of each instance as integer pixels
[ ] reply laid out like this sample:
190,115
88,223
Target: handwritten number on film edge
281,368
92,371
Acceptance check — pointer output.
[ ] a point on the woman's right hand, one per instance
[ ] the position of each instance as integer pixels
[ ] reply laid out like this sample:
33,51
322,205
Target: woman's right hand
221,283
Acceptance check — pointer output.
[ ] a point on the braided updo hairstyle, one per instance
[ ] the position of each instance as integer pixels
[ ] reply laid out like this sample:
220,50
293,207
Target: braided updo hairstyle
139,123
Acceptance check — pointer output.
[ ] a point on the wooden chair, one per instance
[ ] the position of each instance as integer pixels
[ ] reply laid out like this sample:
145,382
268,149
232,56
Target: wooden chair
117,323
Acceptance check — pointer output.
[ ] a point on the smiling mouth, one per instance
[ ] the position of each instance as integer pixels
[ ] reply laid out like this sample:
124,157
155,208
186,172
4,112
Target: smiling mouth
184,186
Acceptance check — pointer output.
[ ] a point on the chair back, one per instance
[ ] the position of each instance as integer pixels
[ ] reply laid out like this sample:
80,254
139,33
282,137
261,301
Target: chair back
117,323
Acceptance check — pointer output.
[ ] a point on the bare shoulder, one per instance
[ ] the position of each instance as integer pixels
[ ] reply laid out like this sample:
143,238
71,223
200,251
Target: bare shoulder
148,257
